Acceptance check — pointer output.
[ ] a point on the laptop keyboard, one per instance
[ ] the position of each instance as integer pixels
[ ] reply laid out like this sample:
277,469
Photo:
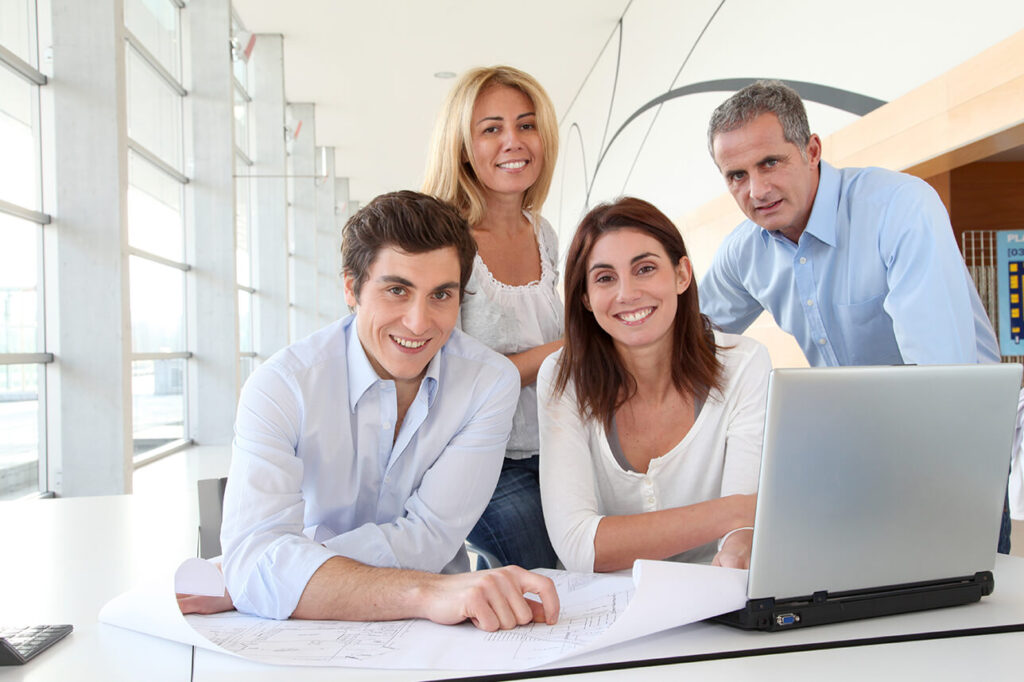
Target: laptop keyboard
19,644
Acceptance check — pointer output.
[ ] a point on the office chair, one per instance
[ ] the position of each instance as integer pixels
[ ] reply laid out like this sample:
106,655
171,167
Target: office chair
211,502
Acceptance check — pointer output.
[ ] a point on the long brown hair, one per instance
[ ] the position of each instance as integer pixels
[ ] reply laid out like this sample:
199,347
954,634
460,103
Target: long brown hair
589,358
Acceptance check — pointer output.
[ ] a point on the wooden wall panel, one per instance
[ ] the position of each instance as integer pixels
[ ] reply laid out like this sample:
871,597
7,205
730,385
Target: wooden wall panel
988,196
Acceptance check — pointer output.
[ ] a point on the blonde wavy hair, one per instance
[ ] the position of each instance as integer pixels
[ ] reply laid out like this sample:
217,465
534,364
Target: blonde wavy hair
451,169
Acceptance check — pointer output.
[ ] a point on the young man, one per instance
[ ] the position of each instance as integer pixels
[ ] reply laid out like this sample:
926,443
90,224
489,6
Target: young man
859,264
364,453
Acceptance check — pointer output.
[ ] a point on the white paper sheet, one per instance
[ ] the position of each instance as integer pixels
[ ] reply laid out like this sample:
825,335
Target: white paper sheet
596,611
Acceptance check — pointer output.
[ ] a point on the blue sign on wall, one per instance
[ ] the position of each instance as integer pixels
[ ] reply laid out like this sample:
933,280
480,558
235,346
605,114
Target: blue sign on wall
1010,262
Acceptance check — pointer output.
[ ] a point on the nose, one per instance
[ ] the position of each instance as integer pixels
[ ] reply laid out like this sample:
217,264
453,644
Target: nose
627,290
417,318
759,186
511,138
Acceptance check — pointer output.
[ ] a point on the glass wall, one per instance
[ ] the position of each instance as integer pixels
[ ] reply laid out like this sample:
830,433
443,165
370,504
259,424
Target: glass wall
23,355
241,51
158,269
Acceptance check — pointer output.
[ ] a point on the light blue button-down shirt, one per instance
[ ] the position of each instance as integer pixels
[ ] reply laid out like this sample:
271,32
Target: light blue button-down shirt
875,279
314,473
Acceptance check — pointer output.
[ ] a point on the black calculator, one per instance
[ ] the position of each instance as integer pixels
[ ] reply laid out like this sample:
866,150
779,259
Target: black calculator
20,644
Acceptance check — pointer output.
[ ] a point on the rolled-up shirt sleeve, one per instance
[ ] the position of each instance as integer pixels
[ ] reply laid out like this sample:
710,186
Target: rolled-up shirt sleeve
747,396
267,559
929,297
567,486
723,297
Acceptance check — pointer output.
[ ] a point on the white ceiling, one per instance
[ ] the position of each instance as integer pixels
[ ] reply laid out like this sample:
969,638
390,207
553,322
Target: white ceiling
368,67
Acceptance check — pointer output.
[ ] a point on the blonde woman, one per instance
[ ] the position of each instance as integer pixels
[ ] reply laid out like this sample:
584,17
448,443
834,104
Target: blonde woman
492,157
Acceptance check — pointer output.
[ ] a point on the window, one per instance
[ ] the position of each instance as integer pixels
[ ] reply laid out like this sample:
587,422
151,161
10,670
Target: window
241,49
158,271
23,356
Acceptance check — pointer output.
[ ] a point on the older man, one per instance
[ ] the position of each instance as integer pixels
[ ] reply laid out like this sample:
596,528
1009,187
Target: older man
859,264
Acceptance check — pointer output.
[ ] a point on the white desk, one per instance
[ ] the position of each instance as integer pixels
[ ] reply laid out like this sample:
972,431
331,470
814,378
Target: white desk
65,558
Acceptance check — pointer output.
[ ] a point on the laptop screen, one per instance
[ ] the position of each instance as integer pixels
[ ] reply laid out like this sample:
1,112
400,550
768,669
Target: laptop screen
876,476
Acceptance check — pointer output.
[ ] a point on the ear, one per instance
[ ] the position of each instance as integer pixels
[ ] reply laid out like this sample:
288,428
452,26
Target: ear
684,275
814,150
586,303
350,291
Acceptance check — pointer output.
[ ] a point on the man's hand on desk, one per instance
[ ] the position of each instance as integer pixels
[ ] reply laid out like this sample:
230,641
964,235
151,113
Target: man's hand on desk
203,605
491,600
735,552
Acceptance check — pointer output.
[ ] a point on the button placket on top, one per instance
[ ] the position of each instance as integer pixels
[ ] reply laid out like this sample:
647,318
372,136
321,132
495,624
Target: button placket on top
388,412
649,498
803,269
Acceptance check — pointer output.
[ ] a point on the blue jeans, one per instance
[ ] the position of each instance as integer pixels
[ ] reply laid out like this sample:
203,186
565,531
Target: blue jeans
512,526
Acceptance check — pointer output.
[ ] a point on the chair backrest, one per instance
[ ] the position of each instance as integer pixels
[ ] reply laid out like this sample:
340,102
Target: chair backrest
211,501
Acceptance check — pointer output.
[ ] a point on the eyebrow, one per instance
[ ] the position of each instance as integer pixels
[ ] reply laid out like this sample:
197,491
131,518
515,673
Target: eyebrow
395,279
634,259
502,118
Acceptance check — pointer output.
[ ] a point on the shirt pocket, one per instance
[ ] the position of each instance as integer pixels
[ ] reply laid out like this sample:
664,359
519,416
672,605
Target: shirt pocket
867,333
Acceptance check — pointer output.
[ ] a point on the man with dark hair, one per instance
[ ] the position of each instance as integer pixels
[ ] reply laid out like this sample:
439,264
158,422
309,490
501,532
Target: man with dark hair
364,453
859,264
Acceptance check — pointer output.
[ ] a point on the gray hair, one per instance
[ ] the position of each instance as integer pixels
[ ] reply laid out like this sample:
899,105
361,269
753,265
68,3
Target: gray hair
762,97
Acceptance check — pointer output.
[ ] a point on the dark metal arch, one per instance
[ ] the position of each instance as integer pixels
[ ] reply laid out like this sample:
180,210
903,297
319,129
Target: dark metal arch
813,92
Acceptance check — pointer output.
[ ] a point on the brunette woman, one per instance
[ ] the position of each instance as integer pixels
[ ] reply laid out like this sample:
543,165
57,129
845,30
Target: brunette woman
650,422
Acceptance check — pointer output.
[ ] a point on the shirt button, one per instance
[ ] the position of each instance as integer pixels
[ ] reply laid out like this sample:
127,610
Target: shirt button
810,301
651,499
821,341
803,260
386,425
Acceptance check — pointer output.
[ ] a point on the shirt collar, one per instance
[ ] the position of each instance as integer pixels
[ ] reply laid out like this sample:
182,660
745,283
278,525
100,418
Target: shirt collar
360,372
361,375
821,224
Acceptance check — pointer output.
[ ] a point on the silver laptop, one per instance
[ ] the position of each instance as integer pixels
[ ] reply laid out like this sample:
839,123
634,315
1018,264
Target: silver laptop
881,491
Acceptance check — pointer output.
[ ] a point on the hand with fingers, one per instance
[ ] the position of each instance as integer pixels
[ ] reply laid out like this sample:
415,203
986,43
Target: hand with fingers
492,600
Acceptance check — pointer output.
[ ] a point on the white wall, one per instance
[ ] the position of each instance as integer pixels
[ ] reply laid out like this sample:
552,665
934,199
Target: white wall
877,48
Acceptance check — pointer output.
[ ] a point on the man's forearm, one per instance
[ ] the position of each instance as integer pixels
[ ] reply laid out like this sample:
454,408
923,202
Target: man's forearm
344,589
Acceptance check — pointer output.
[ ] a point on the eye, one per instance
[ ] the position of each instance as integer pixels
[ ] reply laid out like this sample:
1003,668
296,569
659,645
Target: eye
771,163
736,176
489,129
441,295
645,269
396,290
604,278
528,126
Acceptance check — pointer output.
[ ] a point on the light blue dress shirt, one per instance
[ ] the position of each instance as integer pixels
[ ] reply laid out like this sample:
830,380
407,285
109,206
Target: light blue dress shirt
875,279
314,473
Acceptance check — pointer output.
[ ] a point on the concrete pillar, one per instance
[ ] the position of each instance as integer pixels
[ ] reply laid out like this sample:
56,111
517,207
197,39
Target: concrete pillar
270,215
213,328
89,438
302,168
329,291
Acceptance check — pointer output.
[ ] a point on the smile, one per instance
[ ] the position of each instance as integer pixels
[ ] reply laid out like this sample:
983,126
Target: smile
636,316
408,343
768,207
512,165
